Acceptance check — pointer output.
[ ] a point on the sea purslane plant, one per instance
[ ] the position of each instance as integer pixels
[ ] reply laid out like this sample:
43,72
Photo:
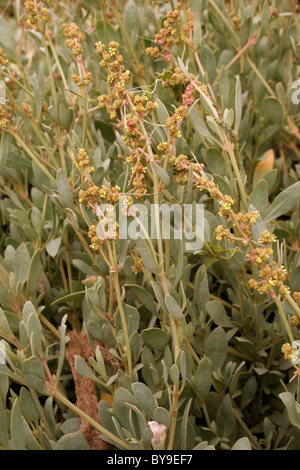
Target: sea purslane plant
149,264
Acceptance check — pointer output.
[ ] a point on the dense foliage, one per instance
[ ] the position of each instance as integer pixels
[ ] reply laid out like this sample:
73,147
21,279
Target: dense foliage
119,107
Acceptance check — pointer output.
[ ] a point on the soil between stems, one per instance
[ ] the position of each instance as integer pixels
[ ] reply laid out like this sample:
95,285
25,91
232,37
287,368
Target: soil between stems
86,397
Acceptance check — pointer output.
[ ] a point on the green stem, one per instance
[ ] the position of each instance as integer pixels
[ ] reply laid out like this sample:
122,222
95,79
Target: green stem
293,304
159,241
41,413
43,216
57,62
35,128
237,174
239,419
84,106
255,69
16,82
54,96
91,421
251,42
121,310
52,83
206,99
173,420
204,409
228,146
49,325
148,240
223,18
246,429
32,156
284,320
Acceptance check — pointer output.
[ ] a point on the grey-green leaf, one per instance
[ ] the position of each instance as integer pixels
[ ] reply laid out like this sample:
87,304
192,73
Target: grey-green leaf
34,373
217,312
146,254
6,139
17,427
144,296
156,338
259,196
271,110
145,398
173,307
83,369
292,408
284,202
64,189
34,273
242,444
216,347
198,124
73,441
203,377
163,175
22,263
238,104
131,20
53,246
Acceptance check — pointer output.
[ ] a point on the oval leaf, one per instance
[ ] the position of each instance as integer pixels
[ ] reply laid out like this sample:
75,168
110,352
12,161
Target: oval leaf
284,202
173,307
216,347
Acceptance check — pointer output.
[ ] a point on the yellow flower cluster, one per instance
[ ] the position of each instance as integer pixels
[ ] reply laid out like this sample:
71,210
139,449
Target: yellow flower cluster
138,171
225,201
89,195
26,109
162,146
137,265
287,351
236,22
119,99
93,192
81,81
296,296
142,105
221,232
294,320
259,256
127,202
37,15
112,196
117,78
108,221
108,227
84,161
291,352
226,204
186,29
181,165
246,221
270,278
96,242
165,38
3,58
4,117
174,121
75,37
175,78
266,238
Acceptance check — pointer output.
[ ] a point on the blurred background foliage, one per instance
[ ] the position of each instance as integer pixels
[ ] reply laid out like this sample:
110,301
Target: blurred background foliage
229,386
